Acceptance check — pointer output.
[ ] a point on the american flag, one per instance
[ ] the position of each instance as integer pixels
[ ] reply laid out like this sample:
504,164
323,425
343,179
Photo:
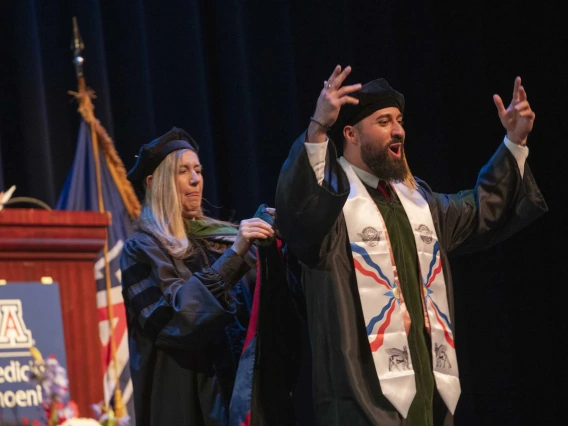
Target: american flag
80,193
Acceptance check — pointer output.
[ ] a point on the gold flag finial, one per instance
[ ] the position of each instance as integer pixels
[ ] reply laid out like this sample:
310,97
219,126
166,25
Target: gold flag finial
77,46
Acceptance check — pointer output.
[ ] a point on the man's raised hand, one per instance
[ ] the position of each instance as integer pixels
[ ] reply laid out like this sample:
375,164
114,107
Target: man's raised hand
518,117
331,98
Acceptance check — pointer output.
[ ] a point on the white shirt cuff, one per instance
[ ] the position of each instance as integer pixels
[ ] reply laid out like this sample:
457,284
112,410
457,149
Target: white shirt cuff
519,152
316,155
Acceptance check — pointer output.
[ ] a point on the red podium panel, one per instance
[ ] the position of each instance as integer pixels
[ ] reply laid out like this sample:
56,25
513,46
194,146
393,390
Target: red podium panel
62,245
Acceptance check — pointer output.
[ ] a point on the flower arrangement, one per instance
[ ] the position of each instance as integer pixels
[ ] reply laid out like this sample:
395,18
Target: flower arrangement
52,378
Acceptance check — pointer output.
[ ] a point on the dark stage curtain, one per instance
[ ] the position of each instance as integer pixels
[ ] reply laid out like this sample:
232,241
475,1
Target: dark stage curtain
242,77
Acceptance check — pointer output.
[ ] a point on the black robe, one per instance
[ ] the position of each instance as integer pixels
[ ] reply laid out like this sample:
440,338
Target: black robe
274,351
346,389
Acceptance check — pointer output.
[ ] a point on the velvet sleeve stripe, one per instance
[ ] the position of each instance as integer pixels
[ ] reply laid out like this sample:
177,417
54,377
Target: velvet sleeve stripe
134,274
158,320
145,298
125,298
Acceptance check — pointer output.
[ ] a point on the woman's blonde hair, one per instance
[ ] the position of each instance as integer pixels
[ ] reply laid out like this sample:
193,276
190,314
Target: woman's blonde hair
161,213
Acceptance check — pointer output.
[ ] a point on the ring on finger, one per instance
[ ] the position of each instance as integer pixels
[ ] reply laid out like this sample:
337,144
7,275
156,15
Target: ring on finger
327,85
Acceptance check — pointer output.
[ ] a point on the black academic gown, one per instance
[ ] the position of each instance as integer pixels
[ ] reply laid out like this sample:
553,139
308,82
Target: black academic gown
269,367
346,390
187,322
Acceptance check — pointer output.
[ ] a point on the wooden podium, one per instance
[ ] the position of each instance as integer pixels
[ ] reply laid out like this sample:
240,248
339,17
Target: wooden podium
62,245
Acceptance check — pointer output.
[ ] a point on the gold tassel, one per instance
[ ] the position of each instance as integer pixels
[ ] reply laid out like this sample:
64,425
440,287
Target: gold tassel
409,179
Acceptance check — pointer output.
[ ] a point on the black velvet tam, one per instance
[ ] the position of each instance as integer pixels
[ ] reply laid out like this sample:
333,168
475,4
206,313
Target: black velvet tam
153,153
375,95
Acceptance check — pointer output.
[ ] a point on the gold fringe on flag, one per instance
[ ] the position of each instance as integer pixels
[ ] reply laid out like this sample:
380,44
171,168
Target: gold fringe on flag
86,108
115,165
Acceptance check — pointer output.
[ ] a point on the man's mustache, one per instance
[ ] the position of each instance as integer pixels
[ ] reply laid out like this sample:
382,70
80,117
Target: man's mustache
396,139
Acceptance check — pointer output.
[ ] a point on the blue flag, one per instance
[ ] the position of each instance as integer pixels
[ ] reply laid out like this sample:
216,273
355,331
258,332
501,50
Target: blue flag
80,193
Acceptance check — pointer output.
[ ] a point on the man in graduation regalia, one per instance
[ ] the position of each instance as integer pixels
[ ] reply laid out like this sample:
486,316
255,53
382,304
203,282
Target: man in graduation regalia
374,242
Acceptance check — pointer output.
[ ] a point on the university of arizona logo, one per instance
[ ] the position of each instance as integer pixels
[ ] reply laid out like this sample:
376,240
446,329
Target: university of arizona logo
370,236
13,331
425,234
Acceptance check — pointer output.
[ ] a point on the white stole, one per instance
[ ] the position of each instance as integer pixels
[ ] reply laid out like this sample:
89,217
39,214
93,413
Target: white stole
384,311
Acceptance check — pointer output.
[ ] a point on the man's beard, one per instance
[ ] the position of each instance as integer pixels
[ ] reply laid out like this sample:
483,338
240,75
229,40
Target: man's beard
383,165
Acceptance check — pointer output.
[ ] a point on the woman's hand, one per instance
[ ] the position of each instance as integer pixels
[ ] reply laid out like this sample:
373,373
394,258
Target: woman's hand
249,230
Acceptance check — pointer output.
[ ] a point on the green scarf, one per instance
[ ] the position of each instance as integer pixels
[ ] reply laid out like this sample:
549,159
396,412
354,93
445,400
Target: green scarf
203,228
211,228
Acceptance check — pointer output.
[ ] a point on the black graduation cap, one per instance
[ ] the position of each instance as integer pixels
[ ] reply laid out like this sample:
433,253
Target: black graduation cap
375,95
152,154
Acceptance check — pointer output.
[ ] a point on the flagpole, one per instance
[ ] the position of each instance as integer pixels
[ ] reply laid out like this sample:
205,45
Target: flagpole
86,109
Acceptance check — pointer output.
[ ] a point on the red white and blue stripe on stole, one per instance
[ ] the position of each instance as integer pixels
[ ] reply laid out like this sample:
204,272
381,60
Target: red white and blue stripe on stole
434,269
383,319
